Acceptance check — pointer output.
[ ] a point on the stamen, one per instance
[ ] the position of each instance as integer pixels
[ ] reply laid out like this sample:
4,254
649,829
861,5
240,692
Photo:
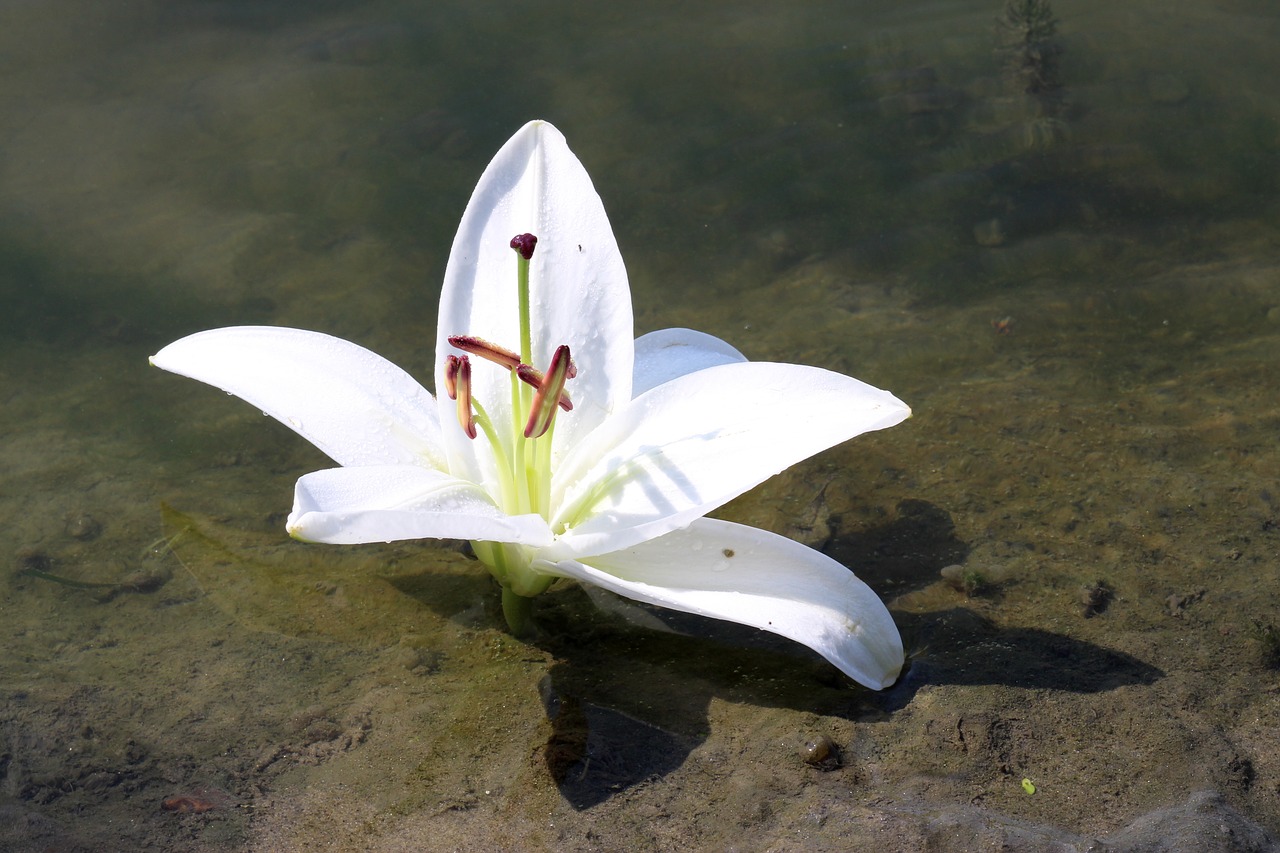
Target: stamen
451,363
486,350
533,376
543,411
573,371
524,243
462,385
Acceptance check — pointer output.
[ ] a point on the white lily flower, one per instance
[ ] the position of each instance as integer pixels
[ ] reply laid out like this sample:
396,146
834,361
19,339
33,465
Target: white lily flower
601,466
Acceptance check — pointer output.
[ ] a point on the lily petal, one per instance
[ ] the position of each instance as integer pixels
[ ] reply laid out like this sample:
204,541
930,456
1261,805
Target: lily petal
667,353
746,575
691,444
577,282
385,503
353,404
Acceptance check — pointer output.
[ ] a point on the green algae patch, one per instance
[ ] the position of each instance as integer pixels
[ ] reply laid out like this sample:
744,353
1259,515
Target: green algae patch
367,597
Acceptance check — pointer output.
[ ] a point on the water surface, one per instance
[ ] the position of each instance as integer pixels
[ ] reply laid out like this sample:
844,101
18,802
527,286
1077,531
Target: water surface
1057,243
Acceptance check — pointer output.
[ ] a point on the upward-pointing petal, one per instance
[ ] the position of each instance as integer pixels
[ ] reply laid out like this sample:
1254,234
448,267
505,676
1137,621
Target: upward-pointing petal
578,285
353,404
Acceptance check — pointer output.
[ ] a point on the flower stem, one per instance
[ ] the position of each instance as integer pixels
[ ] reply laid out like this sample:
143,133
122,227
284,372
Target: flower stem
519,612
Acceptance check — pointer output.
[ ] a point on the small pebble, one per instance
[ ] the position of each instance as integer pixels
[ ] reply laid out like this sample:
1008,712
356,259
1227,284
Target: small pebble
83,527
822,753
1094,598
147,579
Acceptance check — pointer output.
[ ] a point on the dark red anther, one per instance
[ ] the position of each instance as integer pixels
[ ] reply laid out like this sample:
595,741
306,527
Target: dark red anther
486,350
524,243
543,411
451,364
462,386
532,376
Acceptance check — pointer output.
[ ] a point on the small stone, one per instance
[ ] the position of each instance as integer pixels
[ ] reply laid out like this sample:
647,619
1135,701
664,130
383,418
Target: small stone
321,730
972,582
84,527
1094,598
989,233
822,753
146,579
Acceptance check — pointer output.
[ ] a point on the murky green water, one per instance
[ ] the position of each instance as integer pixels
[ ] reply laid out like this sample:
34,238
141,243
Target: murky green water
1056,242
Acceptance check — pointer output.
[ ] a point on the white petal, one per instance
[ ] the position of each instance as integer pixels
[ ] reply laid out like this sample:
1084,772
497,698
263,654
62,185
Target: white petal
346,506
667,353
578,284
729,571
691,444
353,404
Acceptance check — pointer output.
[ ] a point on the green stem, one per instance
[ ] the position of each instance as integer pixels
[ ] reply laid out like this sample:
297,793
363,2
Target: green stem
519,613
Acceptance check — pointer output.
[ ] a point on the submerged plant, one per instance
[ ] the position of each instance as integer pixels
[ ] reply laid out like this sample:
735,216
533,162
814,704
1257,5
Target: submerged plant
557,444
1029,42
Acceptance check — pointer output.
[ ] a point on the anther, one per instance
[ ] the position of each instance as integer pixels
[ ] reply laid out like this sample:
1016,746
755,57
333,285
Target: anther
462,387
486,350
451,376
533,376
543,411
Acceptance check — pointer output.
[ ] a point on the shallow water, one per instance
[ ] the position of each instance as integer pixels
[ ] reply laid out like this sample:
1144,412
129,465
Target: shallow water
1077,289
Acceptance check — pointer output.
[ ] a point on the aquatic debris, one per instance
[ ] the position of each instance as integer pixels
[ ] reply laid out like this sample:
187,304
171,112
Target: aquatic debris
198,801
1094,598
187,805
38,564
972,582
1177,603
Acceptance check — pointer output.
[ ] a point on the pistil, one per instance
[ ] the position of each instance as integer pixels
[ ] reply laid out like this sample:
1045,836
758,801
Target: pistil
524,244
